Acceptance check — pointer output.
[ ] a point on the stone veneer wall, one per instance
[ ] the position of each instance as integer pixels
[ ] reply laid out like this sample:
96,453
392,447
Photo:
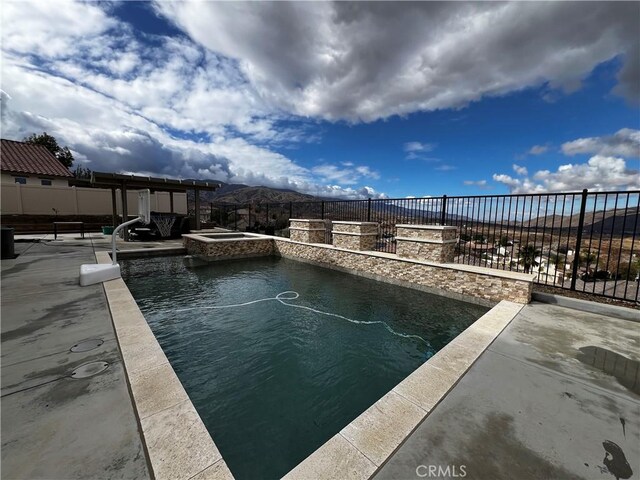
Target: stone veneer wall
225,249
458,281
433,243
355,235
308,231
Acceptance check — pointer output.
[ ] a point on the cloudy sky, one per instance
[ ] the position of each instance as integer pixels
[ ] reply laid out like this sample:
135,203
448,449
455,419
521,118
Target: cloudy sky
334,99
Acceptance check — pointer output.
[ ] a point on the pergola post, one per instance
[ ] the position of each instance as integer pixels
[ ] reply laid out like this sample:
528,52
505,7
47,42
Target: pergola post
171,200
197,195
125,211
114,207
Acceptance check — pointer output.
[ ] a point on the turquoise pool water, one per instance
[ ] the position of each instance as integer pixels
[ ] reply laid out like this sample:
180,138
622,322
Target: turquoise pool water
274,375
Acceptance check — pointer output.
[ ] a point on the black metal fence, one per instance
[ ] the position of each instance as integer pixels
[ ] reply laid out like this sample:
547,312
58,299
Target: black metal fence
580,241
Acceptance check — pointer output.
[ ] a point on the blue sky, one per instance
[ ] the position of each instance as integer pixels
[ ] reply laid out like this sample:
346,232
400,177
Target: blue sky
335,99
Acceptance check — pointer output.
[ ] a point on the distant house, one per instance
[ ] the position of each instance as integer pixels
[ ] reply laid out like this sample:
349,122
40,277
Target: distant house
28,164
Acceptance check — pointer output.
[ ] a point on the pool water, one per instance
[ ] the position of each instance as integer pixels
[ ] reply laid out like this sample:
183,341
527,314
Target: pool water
278,356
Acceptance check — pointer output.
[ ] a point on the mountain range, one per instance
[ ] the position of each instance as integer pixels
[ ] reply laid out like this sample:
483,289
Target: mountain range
238,193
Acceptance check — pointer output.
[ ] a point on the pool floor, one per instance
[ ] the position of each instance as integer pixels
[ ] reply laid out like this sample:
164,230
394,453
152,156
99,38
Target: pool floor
278,356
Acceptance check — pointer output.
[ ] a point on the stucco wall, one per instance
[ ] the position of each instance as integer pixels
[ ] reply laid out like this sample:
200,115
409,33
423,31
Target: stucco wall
28,199
33,180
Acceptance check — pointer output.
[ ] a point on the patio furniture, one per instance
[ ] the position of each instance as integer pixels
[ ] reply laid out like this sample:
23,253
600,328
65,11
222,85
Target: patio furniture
56,224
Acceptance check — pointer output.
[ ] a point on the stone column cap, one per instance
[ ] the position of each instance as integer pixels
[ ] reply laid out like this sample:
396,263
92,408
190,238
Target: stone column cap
355,223
306,220
427,227
354,234
425,240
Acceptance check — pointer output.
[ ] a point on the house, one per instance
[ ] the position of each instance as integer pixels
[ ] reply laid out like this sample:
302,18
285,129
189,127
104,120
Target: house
28,164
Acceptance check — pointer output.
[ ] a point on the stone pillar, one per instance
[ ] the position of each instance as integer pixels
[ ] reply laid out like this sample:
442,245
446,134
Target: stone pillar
355,235
433,243
307,231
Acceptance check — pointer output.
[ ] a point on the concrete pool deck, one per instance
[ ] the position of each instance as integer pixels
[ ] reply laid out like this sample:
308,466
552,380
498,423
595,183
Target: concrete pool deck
548,399
53,425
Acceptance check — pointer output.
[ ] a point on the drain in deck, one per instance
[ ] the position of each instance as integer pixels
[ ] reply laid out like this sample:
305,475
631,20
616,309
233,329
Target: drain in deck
89,369
87,345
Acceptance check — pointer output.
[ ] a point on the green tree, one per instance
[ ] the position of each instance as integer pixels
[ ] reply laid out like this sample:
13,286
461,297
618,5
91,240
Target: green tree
63,154
559,260
587,258
628,270
527,257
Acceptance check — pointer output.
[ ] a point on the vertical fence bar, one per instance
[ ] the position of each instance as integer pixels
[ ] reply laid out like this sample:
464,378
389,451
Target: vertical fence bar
629,272
624,226
443,214
576,261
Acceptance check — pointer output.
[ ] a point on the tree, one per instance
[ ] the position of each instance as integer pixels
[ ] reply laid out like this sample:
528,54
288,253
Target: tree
527,256
587,258
63,154
82,172
559,260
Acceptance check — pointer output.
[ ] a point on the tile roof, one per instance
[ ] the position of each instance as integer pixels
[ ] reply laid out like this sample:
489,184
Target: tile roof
20,157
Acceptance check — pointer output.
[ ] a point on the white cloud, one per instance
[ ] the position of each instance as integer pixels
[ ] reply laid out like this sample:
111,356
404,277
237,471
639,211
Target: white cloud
519,170
446,168
418,147
538,149
125,101
624,143
600,173
119,102
349,175
476,183
362,61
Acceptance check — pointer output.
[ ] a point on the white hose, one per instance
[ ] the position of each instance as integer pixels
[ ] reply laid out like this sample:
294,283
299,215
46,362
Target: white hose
291,295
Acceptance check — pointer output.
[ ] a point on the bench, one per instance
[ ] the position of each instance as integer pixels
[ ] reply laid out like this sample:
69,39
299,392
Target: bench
55,227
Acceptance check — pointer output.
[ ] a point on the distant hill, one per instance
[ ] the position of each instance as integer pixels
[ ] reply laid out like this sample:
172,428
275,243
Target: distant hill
239,193
609,221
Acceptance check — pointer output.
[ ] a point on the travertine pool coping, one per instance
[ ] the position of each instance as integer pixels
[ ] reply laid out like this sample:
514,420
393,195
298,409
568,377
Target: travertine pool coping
232,237
179,446
177,443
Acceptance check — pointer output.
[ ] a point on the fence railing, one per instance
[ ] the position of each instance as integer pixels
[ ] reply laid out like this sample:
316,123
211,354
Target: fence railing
581,241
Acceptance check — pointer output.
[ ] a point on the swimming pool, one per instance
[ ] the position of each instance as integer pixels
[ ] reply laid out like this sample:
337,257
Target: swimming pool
277,356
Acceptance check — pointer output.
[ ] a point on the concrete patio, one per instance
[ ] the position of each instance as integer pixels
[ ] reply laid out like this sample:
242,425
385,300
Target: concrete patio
556,396
53,425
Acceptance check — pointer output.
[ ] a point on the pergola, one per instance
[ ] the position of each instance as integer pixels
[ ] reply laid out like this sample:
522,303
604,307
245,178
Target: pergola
123,182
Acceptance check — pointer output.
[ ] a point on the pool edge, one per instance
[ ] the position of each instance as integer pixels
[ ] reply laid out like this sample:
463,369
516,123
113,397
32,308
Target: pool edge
361,448
176,441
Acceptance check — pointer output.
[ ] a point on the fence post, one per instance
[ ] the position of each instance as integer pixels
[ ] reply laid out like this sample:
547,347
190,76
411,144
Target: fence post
267,222
290,210
211,212
443,213
322,210
235,217
576,253
369,210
